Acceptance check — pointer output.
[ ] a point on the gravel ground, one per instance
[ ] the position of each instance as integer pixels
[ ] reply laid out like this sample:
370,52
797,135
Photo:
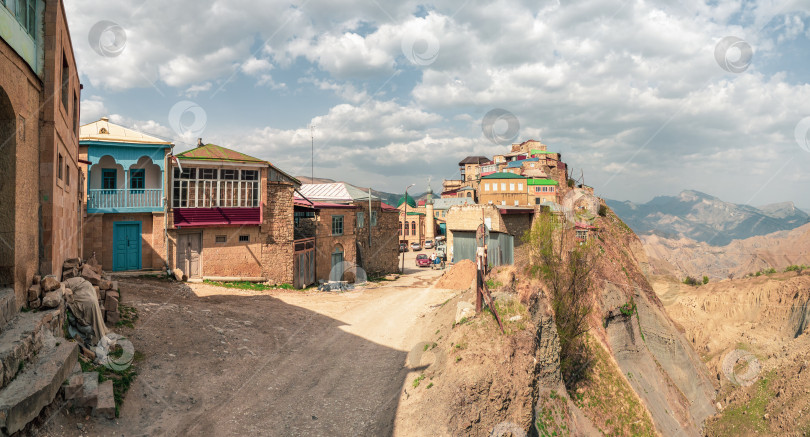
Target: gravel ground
220,361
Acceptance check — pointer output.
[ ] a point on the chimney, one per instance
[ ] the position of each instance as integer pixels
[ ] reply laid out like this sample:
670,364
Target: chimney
199,142
105,119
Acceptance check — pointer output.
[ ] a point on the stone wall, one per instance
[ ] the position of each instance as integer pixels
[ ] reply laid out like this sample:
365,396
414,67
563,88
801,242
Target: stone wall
277,233
468,217
382,255
233,257
98,238
326,243
517,225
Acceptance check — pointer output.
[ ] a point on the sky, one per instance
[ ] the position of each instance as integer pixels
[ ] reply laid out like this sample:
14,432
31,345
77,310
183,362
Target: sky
642,98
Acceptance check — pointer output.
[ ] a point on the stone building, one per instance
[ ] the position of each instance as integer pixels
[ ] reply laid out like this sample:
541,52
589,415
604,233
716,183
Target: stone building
124,223
230,216
504,189
370,224
39,144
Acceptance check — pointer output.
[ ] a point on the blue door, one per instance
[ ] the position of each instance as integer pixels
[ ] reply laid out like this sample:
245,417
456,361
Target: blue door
126,246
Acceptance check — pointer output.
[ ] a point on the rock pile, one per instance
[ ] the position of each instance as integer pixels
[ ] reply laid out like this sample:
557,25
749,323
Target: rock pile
48,292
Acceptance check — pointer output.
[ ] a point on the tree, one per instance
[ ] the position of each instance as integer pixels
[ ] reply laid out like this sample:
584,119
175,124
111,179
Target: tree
565,267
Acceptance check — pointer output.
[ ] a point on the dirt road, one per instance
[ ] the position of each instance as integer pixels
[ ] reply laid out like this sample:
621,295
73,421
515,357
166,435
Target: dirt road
234,362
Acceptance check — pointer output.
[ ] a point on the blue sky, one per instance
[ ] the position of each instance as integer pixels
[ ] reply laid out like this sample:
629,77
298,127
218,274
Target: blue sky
634,94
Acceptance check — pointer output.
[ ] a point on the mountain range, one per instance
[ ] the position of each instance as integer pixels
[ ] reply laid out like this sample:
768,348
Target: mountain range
705,218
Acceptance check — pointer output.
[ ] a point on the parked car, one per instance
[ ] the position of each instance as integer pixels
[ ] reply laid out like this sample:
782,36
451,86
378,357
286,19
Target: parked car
428,244
416,247
440,238
403,247
422,260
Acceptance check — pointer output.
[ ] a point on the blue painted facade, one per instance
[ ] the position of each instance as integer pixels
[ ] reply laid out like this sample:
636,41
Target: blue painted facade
130,190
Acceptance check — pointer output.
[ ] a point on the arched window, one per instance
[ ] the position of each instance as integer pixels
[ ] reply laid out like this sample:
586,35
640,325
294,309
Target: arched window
413,228
405,225
469,194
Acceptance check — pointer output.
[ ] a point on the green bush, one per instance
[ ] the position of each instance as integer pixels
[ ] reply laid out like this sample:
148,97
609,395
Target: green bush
705,279
691,281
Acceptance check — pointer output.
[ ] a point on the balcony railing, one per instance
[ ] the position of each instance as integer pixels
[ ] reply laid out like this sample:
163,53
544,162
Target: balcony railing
149,199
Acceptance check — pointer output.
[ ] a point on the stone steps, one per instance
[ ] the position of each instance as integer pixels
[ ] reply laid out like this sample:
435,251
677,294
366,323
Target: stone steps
83,390
22,338
36,386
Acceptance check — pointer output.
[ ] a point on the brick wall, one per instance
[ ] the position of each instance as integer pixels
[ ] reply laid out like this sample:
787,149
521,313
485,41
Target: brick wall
326,243
517,225
277,233
233,257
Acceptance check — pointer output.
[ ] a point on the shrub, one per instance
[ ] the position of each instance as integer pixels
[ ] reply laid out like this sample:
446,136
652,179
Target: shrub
691,281
565,268
602,210
705,279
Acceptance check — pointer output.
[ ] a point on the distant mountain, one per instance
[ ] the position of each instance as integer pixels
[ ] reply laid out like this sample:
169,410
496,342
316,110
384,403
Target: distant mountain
704,218
389,198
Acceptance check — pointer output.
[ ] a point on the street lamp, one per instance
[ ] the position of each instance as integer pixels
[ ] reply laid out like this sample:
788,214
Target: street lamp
405,224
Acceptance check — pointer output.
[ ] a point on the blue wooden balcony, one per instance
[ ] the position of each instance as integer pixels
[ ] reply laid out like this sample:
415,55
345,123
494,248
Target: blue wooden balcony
125,200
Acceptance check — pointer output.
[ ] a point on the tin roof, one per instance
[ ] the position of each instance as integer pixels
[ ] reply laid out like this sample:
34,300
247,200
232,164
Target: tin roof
446,203
334,192
212,152
502,175
103,130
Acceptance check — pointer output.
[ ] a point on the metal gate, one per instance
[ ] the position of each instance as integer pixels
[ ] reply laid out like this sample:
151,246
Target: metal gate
304,263
500,248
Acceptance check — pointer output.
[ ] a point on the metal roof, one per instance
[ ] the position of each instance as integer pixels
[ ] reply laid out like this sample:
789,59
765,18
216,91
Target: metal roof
447,202
212,152
103,130
502,175
335,192
520,162
473,160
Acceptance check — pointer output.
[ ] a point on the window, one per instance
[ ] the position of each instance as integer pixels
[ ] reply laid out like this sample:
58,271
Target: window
536,200
361,218
413,228
503,186
137,178
76,113
503,202
520,187
60,162
65,82
221,239
511,187
337,225
25,12
516,203
109,178
407,229
67,175
244,238
298,215
212,188
373,217
486,187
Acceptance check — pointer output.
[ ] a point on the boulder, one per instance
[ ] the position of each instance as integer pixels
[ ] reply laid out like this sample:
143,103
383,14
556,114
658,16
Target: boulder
89,274
72,262
68,273
464,310
104,284
49,283
53,299
178,274
34,292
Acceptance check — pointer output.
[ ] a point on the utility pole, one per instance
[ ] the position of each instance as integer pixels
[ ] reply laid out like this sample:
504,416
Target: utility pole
312,149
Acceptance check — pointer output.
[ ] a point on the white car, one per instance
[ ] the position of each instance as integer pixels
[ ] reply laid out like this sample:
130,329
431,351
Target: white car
428,244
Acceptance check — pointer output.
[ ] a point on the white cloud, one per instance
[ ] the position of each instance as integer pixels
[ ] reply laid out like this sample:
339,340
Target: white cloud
92,109
194,90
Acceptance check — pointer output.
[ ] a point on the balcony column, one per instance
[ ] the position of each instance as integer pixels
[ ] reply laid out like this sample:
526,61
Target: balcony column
126,188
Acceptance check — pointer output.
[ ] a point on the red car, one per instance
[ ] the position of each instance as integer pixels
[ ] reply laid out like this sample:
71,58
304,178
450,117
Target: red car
422,260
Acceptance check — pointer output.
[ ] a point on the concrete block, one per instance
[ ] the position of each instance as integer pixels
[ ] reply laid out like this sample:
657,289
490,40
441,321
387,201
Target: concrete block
74,386
105,404
89,394
23,399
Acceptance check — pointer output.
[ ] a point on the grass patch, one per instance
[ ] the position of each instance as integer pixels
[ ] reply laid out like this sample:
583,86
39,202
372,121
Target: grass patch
552,416
608,400
418,380
245,285
747,418
492,284
129,315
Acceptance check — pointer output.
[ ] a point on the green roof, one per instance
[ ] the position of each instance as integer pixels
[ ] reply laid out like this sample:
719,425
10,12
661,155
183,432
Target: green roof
212,152
538,152
542,182
503,175
411,202
415,213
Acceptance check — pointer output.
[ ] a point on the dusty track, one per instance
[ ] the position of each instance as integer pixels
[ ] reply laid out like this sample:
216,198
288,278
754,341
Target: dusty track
233,362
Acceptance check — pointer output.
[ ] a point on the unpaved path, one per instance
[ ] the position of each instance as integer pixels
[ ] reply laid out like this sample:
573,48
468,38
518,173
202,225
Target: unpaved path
234,362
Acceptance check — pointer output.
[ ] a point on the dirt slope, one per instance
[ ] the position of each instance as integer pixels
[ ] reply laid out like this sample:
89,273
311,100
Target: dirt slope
765,318
682,257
